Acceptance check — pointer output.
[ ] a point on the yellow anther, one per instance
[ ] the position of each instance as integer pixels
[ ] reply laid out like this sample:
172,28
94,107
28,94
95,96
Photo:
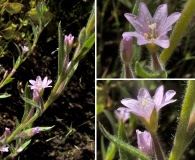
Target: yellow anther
144,102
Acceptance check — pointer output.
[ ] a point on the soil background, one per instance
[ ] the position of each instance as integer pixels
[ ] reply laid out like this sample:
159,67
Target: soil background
73,114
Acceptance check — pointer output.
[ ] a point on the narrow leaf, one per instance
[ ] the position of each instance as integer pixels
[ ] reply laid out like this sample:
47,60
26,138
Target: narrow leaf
5,95
86,47
27,106
31,102
121,144
61,53
25,144
7,80
41,129
122,135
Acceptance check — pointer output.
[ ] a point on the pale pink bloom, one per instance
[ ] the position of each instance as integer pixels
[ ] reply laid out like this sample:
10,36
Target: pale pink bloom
4,149
35,130
69,39
152,30
7,132
144,141
39,85
25,48
145,104
122,116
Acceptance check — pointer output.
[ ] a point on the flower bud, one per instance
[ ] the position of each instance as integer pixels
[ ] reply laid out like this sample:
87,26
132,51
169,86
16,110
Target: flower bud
68,41
144,141
126,49
122,115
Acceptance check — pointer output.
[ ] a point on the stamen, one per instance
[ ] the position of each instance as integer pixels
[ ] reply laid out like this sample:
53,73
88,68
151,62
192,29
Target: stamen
144,102
146,35
152,26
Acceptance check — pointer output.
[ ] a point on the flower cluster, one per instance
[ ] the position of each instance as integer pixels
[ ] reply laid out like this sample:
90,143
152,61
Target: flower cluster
152,30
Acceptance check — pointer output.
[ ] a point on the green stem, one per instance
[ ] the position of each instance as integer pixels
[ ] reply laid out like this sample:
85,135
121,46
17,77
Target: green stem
21,126
179,30
157,147
128,71
21,59
155,62
182,138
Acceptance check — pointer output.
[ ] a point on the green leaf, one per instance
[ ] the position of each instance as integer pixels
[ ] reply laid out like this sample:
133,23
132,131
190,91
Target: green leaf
111,151
5,95
41,129
25,144
145,72
125,146
19,50
85,48
82,36
7,80
103,150
91,23
27,106
31,102
13,8
122,135
61,54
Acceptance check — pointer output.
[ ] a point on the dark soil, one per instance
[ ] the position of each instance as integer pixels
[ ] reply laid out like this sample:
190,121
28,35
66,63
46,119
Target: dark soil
73,114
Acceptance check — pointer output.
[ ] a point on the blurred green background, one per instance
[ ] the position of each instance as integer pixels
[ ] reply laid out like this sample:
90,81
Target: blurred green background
111,23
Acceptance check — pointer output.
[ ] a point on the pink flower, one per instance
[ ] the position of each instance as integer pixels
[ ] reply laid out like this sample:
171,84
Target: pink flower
145,104
122,116
25,48
39,85
144,141
4,149
69,39
152,30
35,130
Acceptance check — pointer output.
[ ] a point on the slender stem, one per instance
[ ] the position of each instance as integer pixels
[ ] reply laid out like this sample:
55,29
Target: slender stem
182,137
128,72
21,126
22,59
155,62
179,30
157,147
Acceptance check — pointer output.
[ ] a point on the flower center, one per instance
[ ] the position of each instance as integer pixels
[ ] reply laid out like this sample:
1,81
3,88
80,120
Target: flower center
152,35
144,102
39,84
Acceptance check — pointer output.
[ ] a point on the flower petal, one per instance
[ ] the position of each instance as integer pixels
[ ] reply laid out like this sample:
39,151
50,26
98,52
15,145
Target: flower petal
143,94
169,22
130,103
158,96
168,95
160,15
144,13
141,40
135,21
162,43
124,109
